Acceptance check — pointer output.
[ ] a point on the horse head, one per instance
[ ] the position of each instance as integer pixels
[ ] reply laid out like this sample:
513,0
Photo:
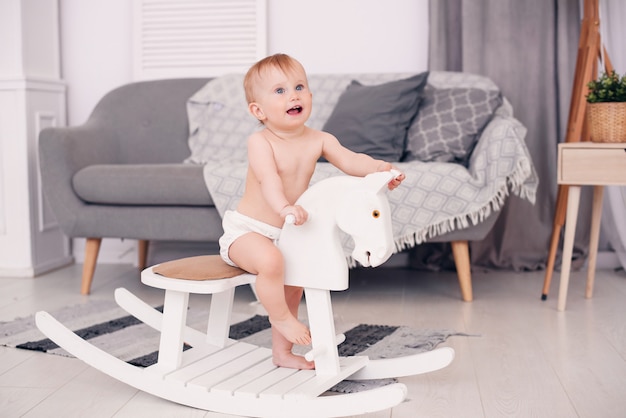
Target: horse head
313,251
364,213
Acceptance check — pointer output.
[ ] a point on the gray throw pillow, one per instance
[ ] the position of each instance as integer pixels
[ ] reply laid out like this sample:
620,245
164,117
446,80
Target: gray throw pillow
374,119
449,123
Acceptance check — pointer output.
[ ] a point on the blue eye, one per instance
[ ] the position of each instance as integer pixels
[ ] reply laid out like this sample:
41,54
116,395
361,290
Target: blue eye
299,87
280,90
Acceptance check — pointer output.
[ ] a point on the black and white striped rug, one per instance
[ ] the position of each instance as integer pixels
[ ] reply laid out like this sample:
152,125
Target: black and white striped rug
107,326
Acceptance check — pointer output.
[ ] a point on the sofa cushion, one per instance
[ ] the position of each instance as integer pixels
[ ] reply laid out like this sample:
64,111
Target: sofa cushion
449,123
142,184
374,119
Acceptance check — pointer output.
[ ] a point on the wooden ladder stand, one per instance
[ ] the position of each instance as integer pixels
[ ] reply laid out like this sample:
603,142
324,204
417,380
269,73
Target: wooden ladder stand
590,50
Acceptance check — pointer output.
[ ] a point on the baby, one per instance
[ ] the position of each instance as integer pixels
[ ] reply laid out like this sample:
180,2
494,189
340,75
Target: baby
281,158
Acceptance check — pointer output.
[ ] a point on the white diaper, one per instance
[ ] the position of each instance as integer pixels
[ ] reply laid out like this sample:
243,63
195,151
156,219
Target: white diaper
235,225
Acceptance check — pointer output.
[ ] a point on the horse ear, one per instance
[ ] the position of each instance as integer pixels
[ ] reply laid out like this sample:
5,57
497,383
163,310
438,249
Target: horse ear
378,181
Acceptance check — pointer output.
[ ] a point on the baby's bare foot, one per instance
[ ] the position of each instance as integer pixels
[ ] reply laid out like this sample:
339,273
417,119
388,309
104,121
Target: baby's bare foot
292,361
293,330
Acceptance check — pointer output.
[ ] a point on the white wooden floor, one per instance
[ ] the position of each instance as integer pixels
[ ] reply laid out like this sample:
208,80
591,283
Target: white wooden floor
530,360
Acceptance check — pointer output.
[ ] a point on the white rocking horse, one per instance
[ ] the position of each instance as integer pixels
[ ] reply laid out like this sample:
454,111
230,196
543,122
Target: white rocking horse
227,376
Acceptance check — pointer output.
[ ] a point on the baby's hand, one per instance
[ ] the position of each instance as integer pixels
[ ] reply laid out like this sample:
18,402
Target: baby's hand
299,214
395,182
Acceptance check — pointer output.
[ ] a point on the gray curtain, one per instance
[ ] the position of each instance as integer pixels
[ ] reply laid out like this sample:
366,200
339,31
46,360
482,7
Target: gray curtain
529,49
613,32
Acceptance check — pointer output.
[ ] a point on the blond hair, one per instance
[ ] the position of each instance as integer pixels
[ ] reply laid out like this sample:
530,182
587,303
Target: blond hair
281,61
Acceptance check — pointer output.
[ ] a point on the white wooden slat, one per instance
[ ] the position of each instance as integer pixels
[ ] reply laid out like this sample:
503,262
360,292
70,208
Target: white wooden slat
195,354
187,374
197,38
252,389
232,368
188,357
321,383
278,390
229,386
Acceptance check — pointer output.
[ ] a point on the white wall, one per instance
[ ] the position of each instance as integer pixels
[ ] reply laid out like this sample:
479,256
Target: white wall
330,36
327,36
96,42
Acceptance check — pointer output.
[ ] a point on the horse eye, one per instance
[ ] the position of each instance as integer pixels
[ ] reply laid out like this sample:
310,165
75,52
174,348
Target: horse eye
375,214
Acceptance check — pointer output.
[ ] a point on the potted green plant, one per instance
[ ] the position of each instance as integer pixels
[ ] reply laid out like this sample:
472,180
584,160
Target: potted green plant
606,108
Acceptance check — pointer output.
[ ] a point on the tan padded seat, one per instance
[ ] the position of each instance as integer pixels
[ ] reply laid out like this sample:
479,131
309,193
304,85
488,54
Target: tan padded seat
202,267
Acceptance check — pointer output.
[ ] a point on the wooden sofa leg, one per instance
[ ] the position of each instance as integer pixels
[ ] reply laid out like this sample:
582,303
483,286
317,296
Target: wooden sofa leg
460,251
92,248
142,253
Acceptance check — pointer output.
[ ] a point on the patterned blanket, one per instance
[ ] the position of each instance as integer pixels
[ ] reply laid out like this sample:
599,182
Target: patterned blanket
435,198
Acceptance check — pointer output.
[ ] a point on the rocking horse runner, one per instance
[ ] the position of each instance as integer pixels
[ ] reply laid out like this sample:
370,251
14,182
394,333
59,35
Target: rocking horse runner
227,376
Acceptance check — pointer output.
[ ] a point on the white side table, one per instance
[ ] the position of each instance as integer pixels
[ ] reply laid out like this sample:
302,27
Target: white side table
586,164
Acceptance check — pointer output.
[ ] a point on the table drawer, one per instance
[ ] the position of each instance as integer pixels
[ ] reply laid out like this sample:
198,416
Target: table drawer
592,164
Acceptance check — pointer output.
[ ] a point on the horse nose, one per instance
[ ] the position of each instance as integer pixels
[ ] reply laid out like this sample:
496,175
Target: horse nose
382,252
380,255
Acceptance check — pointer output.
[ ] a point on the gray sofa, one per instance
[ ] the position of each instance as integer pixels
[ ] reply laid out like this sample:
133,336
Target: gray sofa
122,175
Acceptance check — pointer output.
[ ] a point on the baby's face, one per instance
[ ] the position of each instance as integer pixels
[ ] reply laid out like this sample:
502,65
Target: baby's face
283,98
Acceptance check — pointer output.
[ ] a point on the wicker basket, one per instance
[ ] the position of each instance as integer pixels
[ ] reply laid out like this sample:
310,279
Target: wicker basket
607,121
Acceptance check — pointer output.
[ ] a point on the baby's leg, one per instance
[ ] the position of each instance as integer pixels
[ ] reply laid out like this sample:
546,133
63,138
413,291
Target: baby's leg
281,347
283,356
258,255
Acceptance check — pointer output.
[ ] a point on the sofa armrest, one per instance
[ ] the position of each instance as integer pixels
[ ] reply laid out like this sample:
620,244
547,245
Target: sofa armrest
62,152
78,146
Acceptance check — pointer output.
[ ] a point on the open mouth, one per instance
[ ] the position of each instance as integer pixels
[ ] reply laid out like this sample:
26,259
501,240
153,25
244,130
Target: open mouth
295,110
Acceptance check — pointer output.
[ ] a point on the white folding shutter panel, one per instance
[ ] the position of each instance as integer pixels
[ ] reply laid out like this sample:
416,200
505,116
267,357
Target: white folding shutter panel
197,38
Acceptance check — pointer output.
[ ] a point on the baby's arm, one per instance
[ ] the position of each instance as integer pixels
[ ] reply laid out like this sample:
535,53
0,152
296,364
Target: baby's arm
261,161
353,163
